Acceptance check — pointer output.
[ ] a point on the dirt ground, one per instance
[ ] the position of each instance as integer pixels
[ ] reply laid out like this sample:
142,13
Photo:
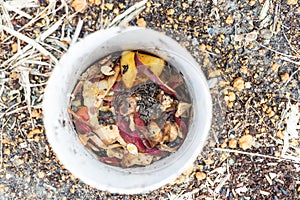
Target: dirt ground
248,50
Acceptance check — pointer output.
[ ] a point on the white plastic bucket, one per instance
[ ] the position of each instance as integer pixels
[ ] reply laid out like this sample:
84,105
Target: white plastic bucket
59,128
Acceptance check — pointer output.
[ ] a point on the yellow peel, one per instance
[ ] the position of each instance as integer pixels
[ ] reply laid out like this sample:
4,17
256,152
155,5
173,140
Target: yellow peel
154,63
128,68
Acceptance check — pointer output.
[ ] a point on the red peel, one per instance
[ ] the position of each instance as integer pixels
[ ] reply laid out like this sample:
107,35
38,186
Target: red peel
81,127
82,112
147,71
134,138
111,161
138,121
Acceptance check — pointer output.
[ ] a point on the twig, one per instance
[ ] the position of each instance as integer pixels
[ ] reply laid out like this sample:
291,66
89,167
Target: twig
43,13
51,30
283,54
290,78
19,109
289,60
29,41
77,32
129,14
221,184
275,19
248,153
5,14
6,111
16,10
24,81
101,14
293,158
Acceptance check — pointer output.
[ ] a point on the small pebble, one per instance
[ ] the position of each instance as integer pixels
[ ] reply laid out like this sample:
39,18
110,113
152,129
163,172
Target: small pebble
252,2
170,12
248,85
41,174
231,96
200,176
229,20
239,83
266,34
141,22
231,161
280,134
245,142
6,151
264,193
284,77
272,175
232,143
72,190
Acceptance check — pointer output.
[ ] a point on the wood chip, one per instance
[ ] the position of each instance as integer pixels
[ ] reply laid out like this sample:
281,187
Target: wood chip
268,179
109,6
280,134
209,161
14,47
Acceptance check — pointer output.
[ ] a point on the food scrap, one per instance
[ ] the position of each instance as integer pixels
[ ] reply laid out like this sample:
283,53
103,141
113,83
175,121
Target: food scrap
131,109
